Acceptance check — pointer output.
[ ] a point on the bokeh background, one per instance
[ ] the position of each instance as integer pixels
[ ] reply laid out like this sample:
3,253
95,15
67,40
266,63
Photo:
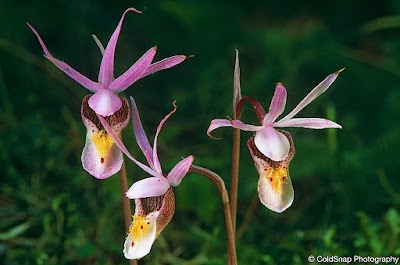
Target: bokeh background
346,182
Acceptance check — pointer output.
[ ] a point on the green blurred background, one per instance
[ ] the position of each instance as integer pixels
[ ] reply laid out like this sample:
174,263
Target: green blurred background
347,191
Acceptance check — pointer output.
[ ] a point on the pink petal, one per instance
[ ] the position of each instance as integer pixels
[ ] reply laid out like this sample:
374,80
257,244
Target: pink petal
179,171
164,64
104,102
100,167
218,123
106,73
134,73
277,105
148,187
236,84
272,144
140,135
156,161
121,146
318,90
311,123
246,127
71,72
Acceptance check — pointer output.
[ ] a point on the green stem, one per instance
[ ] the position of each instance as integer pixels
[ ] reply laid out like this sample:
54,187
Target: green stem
126,204
219,182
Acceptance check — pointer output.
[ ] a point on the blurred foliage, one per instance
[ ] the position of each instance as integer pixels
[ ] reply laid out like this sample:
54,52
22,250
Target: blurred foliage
346,183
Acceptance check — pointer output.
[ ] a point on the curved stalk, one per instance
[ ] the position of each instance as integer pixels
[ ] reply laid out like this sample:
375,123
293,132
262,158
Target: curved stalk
219,182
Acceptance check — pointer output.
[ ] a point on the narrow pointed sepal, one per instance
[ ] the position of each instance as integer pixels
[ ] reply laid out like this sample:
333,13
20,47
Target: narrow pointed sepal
275,188
179,171
237,94
101,158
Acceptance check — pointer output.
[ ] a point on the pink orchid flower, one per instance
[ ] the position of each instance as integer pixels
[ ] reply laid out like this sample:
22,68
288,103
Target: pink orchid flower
272,149
105,102
154,198
268,140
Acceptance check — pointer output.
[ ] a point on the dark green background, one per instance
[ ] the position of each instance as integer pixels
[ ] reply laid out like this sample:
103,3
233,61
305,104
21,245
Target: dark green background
347,191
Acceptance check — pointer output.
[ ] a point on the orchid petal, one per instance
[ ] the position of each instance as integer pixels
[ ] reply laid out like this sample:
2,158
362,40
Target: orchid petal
164,64
140,135
236,84
274,185
134,73
99,44
100,159
121,146
246,127
311,123
275,189
272,144
142,234
100,156
101,165
179,171
105,103
106,73
156,161
68,70
318,90
277,105
218,123
148,187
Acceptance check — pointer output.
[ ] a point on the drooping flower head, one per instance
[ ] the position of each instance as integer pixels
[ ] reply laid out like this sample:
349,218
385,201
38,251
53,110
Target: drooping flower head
273,149
153,196
100,157
105,102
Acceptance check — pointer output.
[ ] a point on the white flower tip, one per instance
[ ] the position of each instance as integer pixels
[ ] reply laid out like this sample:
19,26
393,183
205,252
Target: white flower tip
339,71
142,234
275,190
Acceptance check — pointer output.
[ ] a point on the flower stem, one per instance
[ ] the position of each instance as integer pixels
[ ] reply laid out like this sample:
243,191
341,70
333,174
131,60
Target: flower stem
126,204
235,176
219,182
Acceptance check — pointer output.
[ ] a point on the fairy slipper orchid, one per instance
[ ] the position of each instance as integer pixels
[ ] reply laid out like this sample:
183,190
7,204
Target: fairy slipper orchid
275,188
100,156
153,196
272,149
105,101
269,141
